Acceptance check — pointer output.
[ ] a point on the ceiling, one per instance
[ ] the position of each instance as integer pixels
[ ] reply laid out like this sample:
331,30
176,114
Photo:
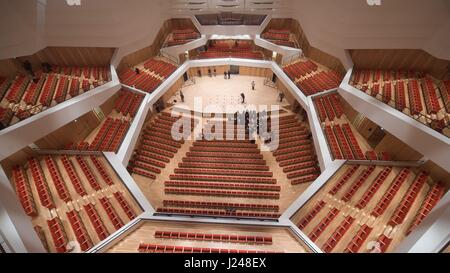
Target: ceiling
27,26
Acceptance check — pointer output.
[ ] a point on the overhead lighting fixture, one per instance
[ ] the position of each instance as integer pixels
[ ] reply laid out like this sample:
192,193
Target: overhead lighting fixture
73,2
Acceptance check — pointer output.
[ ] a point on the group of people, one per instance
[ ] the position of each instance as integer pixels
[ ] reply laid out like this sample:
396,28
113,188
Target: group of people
226,75
46,68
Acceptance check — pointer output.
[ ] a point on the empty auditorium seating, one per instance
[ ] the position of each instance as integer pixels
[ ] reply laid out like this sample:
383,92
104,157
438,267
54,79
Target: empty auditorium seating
384,242
226,238
96,221
358,183
149,78
323,224
111,212
219,213
73,176
340,231
41,184
110,136
311,214
151,248
318,82
433,196
342,142
102,170
372,190
88,173
128,102
23,191
58,234
389,195
181,36
221,205
405,205
129,211
415,94
223,193
279,37
358,240
58,181
79,229
344,179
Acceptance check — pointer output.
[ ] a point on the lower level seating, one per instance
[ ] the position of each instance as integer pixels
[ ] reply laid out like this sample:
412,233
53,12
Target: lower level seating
226,238
150,248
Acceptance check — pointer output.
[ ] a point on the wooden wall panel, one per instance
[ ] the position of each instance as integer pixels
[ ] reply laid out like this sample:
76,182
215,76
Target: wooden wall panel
415,59
18,158
397,149
173,89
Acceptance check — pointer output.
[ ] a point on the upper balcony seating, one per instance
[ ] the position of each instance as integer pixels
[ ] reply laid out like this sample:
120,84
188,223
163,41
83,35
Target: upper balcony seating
227,49
322,81
150,248
342,142
128,103
22,97
220,205
23,191
181,36
40,182
279,37
110,135
148,79
415,94
226,238
58,181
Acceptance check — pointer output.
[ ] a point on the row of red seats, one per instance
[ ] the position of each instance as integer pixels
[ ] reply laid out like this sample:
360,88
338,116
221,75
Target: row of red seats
287,150
354,144
358,183
243,239
306,179
111,212
33,91
224,149
149,160
281,158
275,35
145,166
386,96
141,172
162,140
215,185
129,211
344,179
96,221
300,69
433,196
61,89
244,55
429,94
79,229
4,85
88,173
226,166
224,154
303,172
73,176
159,67
343,143
58,181
74,87
223,172
258,215
101,169
128,102
337,235
332,142
372,190
185,35
95,72
283,43
237,194
300,166
311,214
384,242
218,159
58,234
23,191
157,151
297,160
17,89
149,248
48,90
159,145
221,205
414,97
322,81
364,76
41,184
142,81
445,93
400,97
323,224
110,134
120,135
358,240
153,156
236,179
288,145
410,196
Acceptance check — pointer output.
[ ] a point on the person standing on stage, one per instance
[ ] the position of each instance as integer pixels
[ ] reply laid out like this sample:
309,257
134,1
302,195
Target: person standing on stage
243,98
225,75
181,96
229,74
253,85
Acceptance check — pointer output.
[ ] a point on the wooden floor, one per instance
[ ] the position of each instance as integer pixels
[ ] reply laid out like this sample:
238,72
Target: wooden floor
362,216
222,93
77,202
283,239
